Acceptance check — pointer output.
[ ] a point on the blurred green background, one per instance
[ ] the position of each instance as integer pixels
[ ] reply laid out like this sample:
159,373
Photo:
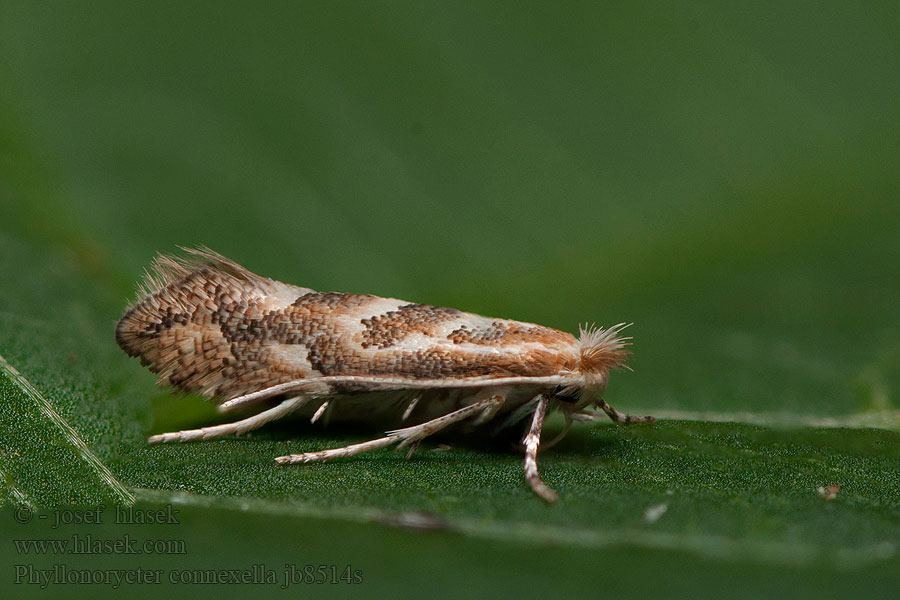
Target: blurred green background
724,176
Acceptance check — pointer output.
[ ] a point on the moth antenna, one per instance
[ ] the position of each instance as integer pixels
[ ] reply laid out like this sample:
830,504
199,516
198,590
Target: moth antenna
237,427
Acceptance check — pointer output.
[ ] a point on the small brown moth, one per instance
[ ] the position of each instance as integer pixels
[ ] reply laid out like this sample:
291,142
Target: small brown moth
207,325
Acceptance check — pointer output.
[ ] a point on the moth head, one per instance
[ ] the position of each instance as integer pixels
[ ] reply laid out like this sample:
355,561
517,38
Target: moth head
602,350
599,352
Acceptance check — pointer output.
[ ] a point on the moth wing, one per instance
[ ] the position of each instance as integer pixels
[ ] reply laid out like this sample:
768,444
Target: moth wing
208,325
177,328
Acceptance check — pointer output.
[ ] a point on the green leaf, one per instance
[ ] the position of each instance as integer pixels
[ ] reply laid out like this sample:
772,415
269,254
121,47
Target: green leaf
723,177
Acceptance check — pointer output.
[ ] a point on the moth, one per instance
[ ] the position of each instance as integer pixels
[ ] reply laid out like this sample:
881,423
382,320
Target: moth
209,326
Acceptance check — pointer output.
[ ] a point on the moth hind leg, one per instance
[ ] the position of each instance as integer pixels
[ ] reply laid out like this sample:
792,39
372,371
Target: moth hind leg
622,418
402,437
237,427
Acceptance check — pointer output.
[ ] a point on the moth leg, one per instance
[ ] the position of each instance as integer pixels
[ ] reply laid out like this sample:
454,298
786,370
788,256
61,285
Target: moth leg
410,407
491,411
336,452
586,417
415,446
238,427
486,415
562,434
517,415
405,436
622,418
320,411
420,432
532,442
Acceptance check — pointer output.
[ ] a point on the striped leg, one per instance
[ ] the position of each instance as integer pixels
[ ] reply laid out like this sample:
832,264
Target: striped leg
405,437
532,442
622,418
238,427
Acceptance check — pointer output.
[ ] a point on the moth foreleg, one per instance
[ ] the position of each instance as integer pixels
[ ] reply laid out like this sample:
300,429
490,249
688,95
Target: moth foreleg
532,443
238,427
622,418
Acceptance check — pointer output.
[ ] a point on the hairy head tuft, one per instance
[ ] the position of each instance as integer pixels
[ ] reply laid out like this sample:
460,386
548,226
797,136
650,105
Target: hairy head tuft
602,349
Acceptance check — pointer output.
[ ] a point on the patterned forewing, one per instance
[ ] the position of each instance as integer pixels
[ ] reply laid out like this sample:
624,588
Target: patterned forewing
222,335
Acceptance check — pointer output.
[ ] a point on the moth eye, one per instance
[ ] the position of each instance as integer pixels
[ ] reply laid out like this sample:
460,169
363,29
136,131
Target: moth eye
565,396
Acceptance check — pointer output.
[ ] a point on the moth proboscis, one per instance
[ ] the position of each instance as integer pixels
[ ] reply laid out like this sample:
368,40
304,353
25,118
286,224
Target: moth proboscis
209,326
